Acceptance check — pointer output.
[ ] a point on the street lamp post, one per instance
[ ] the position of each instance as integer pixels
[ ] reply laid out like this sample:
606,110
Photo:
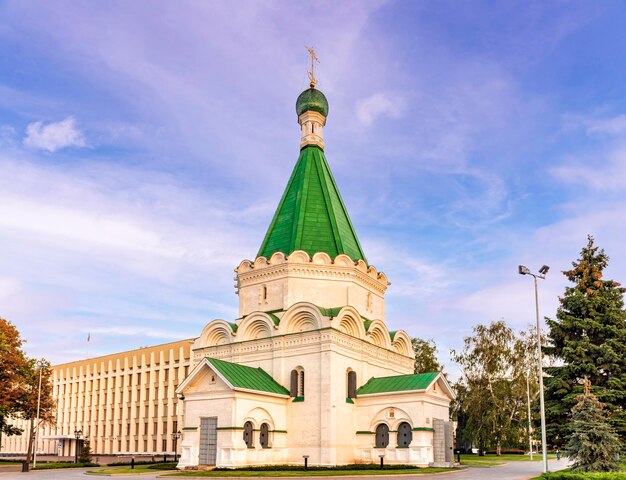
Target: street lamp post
175,437
530,425
77,435
542,274
40,364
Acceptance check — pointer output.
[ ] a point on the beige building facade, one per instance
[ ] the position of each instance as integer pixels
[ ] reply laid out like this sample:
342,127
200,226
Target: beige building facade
123,404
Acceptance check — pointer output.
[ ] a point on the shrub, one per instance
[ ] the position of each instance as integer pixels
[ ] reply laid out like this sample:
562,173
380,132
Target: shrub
53,465
280,468
584,476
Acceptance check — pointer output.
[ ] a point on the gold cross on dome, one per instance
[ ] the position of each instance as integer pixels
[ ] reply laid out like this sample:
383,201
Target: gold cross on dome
311,73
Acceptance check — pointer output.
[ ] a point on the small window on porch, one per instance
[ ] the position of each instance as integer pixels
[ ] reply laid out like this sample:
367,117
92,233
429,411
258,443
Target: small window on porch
405,435
382,436
247,434
264,436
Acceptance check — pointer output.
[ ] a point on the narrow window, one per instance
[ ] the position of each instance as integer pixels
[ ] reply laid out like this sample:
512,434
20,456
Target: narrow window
382,436
405,435
247,434
263,294
293,390
351,384
301,384
264,435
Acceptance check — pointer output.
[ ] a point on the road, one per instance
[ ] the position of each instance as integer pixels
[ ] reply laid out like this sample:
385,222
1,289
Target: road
509,471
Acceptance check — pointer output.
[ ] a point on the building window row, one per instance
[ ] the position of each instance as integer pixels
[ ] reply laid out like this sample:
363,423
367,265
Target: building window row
248,435
404,435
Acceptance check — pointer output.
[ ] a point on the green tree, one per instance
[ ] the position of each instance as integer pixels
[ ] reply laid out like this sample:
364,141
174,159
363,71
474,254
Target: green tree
587,339
593,444
19,385
491,395
85,453
13,367
425,356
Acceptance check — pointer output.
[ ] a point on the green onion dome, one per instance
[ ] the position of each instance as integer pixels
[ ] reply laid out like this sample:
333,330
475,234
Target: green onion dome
312,99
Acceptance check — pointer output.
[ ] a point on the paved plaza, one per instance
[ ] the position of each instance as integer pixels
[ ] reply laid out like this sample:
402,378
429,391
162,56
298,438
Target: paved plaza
509,471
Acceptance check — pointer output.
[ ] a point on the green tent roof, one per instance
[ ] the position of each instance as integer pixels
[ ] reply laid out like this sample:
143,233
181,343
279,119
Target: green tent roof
398,383
250,378
311,215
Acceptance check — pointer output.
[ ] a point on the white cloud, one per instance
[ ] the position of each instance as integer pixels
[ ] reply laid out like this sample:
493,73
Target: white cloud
612,126
608,173
54,136
378,105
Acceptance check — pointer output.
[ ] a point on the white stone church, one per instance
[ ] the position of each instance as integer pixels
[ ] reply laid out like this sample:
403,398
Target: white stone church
309,369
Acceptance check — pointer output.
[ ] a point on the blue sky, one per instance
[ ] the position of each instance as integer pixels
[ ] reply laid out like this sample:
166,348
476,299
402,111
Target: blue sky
144,147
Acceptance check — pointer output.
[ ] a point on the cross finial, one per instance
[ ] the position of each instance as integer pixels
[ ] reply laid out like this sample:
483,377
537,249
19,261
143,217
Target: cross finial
311,73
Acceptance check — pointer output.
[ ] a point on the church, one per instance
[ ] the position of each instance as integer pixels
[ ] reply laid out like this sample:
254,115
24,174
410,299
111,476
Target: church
310,370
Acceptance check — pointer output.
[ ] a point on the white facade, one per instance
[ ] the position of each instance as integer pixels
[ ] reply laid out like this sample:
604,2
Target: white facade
294,333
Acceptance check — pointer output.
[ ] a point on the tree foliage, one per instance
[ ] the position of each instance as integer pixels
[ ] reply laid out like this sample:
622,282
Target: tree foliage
13,367
593,445
425,356
492,394
588,339
19,385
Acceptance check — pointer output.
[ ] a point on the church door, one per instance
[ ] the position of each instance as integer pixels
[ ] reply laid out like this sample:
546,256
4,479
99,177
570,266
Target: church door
208,441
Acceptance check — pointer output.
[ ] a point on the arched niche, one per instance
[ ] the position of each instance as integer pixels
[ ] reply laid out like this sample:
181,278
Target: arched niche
299,256
244,266
378,334
322,258
255,326
277,258
343,260
349,321
216,332
260,262
402,344
300,317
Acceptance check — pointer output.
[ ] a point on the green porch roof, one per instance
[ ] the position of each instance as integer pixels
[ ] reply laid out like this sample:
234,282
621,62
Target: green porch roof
398,383
250,378
311,215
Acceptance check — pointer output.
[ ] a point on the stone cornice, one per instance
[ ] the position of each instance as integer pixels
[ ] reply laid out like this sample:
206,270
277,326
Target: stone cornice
312,271
322,340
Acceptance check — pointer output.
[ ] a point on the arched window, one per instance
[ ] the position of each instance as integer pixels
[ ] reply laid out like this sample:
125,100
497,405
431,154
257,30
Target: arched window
382,436
297,383
264,436
351,384
405,435
247,434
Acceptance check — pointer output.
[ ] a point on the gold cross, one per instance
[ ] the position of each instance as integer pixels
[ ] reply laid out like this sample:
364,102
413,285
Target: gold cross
311,73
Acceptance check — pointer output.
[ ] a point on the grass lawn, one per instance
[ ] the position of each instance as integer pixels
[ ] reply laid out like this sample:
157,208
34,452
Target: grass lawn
125,470
303,473
491,460
53,465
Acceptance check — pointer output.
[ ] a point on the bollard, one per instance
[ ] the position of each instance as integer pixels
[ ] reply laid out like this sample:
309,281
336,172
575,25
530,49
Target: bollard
164,457
458,456
382,462
306,461
132,463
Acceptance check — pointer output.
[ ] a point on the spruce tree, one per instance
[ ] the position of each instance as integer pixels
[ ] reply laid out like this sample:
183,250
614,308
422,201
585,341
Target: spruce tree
587,339
593,445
